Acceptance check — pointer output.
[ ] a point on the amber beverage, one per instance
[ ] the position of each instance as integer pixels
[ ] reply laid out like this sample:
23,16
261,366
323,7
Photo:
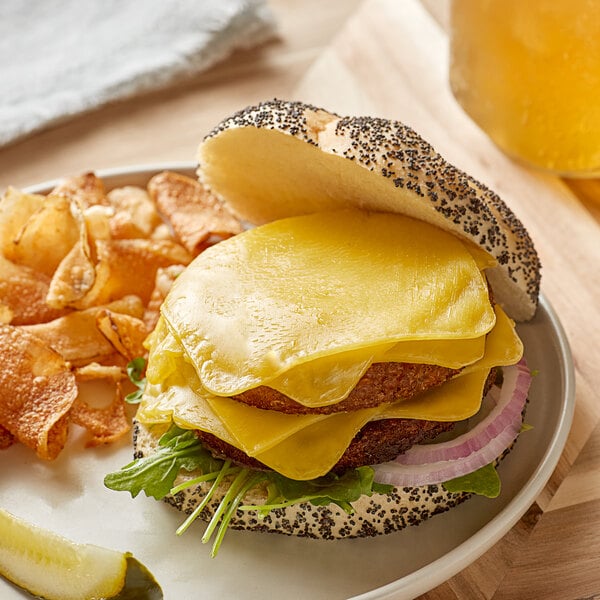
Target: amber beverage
528,73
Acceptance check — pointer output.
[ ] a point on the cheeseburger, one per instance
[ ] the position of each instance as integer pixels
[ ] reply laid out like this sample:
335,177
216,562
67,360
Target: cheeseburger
349,364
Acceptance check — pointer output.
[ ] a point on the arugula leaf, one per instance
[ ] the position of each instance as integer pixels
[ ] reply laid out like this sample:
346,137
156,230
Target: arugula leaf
485,482
180,449
155,474
135,371
331,488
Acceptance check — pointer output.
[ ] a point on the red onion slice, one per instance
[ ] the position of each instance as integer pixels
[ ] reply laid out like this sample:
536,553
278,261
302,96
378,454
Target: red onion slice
436,463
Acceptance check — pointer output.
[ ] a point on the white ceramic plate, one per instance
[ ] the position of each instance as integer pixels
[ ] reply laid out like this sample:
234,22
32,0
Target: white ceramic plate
68,497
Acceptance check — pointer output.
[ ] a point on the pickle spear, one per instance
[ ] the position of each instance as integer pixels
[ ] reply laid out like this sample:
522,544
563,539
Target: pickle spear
52,567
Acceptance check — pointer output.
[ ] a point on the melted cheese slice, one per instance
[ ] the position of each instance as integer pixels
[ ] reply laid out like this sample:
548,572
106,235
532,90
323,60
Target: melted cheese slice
165,352
503,346
456,400
328,380
245,423
324,381
313,451
175,401
295,290
306,446
453,354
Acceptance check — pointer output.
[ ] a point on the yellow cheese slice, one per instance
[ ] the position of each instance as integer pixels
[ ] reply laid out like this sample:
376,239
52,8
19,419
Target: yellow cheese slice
458,399
503,346
295,290
306,446
164,352
313,451
483,258
248,424
325,380
330,379
453,354
176,401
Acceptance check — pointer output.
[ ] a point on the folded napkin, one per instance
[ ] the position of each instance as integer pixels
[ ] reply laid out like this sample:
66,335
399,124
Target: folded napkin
59,58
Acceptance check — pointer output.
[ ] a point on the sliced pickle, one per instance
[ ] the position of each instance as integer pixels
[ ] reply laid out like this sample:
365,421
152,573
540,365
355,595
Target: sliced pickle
52,567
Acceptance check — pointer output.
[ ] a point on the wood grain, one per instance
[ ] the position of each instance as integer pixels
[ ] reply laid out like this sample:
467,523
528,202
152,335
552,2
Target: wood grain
560,559
482,578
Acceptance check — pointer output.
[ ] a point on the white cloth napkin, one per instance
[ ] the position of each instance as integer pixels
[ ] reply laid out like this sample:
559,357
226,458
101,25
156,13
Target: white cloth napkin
59,58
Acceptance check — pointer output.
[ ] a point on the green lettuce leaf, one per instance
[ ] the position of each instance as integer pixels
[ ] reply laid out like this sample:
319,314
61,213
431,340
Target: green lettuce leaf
485,482
178,449
338,489
135,372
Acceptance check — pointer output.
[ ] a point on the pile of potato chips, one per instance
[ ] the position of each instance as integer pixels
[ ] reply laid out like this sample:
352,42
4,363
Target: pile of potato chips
83,272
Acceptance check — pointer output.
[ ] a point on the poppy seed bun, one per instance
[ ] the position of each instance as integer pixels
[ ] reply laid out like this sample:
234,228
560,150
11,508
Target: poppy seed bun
281,159
374,515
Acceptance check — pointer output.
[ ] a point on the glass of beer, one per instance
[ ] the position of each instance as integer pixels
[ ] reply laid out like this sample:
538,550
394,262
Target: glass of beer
528,73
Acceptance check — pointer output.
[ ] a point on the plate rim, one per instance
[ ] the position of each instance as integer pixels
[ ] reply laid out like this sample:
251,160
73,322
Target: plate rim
121,171
448,565
457,559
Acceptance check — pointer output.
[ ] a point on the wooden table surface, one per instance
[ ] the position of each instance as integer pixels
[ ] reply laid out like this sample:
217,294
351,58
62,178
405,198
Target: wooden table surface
388,58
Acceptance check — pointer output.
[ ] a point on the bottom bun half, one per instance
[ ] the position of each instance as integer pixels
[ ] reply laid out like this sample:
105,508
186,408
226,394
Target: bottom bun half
374,515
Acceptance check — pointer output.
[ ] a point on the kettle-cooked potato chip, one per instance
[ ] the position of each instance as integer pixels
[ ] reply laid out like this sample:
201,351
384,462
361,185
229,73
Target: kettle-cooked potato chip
105,424
23,295
76,273
46,237
15,209
73,278
76,336
135,213
197,217
87,189
37,390
124,332
129,267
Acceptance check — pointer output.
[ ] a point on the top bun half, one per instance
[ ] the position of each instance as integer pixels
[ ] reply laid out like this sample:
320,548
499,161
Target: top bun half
280,159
